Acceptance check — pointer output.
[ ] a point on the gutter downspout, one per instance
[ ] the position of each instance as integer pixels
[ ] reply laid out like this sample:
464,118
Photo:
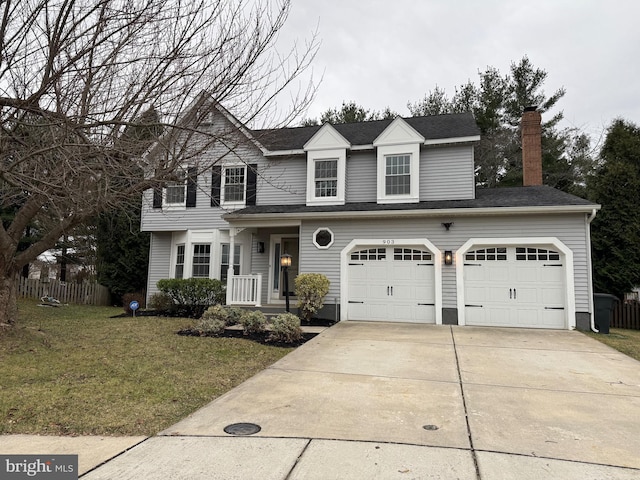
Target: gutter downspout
590,270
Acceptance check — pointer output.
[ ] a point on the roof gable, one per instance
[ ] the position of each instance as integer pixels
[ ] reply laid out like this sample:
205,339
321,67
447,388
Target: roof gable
398,132
326,138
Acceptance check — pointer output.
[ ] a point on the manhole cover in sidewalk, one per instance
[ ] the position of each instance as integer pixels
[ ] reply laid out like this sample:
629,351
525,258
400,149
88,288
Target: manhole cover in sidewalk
430,427
242,429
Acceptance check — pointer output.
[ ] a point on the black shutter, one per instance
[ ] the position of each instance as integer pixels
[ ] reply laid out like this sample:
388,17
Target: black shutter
216,173
192,177
157,197
252,178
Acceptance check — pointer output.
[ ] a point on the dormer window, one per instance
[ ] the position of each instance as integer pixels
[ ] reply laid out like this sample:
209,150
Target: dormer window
326,178
398,163
326,167
398,175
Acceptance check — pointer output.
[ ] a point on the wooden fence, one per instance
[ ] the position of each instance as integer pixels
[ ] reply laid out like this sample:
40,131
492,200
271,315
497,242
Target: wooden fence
626,315
79,293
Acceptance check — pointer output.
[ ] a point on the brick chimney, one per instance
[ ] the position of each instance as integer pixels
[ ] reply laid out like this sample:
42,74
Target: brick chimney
531,147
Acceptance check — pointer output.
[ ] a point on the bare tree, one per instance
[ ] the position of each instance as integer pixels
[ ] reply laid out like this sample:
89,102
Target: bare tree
78,76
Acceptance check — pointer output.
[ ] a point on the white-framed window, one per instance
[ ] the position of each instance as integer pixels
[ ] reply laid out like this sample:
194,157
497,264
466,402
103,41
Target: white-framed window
326,178
175,193
179,272
224,260
234,184
326,173
201,260
397,174
323,238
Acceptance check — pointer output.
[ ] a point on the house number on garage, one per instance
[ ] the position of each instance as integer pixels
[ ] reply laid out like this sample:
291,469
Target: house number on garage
388,242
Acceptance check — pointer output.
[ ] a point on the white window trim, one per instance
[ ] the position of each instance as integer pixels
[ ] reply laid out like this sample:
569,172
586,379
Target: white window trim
190,238
413,150
313,156
325,247
233,204
183,204
218,274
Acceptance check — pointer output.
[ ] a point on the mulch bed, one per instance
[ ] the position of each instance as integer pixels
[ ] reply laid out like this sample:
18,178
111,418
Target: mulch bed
262,337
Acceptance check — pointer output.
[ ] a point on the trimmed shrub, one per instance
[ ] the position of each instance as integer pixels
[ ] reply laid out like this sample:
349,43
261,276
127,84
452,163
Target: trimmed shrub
311,288
192,296
253,322
213,321
285,328
160,302
127,298
234,314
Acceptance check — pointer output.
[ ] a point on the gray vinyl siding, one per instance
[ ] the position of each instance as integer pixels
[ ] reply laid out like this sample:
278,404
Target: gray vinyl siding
568,228
361,180
283,182
159,258
447,173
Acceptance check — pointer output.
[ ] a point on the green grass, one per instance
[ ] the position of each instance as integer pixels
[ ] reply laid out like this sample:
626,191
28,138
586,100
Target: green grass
72,370
625,341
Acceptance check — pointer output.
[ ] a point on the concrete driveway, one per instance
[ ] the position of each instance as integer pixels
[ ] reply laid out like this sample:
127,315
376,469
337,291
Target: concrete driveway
382,400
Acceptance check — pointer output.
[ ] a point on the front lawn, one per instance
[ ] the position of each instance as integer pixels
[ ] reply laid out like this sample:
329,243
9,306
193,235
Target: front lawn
72,370
625,341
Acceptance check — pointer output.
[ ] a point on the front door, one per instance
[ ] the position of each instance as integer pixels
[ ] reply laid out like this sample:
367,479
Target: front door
281,244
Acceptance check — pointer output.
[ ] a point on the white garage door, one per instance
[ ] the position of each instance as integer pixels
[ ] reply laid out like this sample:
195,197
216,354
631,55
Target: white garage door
517,286
392,284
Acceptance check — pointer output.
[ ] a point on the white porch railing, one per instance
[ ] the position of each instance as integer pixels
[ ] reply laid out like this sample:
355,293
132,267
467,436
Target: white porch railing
244,290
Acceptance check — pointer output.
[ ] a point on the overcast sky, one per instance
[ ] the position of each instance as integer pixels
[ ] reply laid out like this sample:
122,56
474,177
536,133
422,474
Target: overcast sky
382,53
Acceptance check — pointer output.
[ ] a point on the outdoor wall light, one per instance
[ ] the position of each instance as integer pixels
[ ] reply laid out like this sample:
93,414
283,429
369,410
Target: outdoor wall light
285,260
260,246
448,257
285,263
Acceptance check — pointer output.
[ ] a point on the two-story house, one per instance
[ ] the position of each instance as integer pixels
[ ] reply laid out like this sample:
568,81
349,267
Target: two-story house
388,210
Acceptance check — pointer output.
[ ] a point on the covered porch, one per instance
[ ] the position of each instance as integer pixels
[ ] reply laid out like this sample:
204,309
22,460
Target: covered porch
262,281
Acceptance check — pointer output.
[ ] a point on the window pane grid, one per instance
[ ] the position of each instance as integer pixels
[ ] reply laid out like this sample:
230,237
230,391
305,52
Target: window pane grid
201,260
369,254
398,175
224,261
180,261
326,178
234,184
411,254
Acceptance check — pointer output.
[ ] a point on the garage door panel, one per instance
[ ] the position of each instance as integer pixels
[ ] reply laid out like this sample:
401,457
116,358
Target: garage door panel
552,297
392,284
524,286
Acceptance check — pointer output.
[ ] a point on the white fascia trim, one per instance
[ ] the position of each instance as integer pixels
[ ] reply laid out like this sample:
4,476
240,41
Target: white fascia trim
570,295
380,242
440,141
281,153
259,222
448,212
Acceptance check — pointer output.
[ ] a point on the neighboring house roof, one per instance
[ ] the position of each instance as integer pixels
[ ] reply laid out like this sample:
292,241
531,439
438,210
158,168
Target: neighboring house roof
433,127
489,198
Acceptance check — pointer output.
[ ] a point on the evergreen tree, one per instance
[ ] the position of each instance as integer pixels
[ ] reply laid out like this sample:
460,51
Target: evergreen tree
616,228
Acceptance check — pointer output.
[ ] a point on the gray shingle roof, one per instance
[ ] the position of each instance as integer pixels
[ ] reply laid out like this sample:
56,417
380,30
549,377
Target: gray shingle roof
533,196
364,133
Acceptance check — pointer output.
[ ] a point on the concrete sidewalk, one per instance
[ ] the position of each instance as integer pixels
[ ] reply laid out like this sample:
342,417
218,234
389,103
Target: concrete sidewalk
373,400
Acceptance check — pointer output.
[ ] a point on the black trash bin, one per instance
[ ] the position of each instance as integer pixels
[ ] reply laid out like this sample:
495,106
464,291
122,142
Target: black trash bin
604,304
